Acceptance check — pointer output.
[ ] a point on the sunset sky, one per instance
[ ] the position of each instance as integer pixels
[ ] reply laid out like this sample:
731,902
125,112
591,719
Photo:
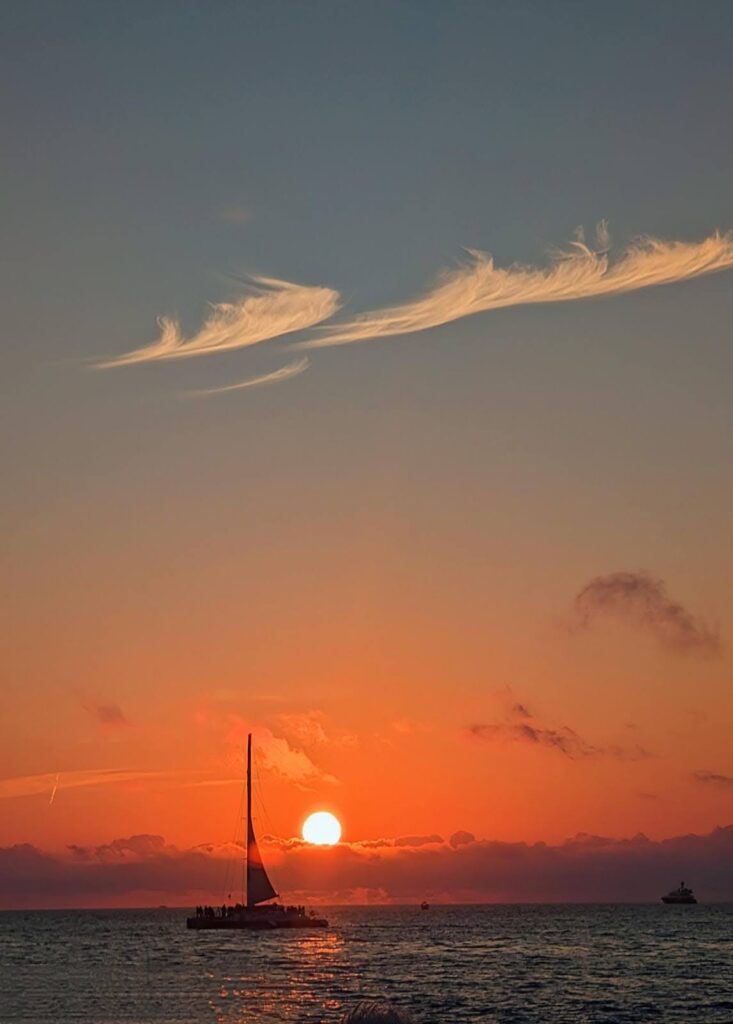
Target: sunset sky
323,421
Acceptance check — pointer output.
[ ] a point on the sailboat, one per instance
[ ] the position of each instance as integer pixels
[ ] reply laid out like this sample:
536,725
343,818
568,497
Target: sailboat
256,909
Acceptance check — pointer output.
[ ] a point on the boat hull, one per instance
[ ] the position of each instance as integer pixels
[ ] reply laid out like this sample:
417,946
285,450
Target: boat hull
256,922
679,899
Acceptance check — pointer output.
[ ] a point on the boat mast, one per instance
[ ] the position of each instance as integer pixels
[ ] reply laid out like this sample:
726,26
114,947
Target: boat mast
249,815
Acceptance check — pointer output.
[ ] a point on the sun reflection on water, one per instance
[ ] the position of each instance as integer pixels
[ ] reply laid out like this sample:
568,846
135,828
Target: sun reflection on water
282,977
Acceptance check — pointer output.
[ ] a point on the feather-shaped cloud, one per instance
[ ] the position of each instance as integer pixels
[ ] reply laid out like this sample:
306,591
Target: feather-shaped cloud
580,272
293,369
270,309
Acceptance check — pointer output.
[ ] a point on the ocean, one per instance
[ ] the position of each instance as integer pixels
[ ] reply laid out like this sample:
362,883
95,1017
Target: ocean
538,964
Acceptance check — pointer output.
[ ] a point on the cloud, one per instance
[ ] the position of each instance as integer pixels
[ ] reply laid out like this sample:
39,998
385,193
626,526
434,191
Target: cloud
306,726
312,728
461,838
108,714
580,272
49,782
642,600
270,309
563,739
145,870
55,783
522,727
276,754
287,372
414,841
273,753
138,848
713,778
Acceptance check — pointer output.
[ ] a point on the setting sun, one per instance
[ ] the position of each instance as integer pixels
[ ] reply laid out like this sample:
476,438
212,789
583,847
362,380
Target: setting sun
322,828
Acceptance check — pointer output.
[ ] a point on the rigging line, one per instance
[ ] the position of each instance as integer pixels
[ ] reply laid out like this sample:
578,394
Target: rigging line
263,806
231,861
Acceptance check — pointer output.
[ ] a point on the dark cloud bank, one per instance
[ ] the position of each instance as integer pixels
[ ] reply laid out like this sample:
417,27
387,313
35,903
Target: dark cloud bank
144,870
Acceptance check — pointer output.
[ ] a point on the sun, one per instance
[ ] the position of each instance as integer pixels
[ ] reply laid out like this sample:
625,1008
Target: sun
322,828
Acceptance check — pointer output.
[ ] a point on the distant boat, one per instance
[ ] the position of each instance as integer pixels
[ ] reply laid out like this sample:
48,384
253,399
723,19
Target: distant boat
680,895
424,905
254,911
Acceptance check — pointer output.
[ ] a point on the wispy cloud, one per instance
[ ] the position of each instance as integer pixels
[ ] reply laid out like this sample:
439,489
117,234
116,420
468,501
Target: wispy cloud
276,754
287,372
273,753
51,782
306,727
523,727
108,714
270,309
312,728
563,739
578,272
713,779
642,600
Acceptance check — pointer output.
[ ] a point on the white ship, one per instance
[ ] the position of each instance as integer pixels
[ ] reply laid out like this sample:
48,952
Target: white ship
680,895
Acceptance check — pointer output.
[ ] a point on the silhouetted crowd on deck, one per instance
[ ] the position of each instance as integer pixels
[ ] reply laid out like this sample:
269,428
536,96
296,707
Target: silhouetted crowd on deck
226,910
222,911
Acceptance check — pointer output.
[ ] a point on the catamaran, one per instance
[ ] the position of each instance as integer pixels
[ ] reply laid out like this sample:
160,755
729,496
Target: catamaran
255,910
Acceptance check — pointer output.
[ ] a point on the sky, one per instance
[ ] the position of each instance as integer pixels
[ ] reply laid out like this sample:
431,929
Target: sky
365,386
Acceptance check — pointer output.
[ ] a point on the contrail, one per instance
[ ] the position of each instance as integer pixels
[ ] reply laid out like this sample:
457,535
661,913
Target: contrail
53,791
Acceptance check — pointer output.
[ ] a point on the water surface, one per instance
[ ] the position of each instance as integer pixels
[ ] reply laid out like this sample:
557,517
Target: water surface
543,964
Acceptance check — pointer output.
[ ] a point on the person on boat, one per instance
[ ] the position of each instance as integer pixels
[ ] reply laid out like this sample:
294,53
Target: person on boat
376,1012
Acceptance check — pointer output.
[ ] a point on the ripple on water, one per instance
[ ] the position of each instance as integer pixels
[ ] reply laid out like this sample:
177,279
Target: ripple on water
555,965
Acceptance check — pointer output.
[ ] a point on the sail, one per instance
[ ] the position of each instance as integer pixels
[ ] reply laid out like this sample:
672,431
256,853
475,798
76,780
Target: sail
259,886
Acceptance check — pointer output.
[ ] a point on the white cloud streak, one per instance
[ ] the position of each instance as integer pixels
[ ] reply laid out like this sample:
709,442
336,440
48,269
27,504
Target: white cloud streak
580,272
56,783
31,785
270,309
286,372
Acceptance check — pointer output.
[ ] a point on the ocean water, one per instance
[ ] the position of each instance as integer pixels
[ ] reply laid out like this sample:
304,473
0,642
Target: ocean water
539,964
